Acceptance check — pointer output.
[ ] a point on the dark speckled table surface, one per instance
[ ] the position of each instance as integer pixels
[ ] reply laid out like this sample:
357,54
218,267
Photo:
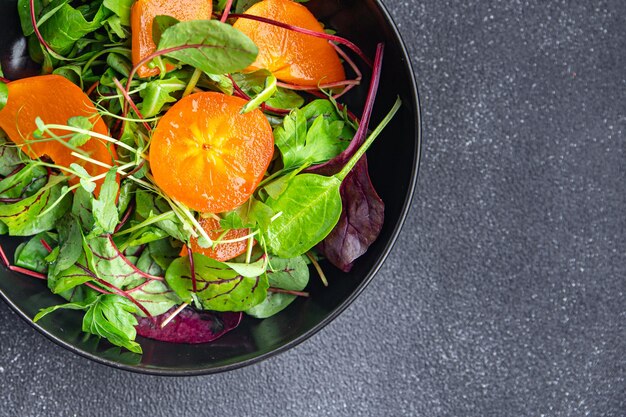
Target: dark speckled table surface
504,295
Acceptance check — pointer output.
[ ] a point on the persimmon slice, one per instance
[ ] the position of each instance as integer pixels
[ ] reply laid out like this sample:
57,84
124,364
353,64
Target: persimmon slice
222,251
292,57
55,100
142,15
207,155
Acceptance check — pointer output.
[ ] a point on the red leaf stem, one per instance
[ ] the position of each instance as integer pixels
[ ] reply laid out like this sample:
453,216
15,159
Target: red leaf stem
229,4
28,272
4,258
280,290
5,80
125,218
33,20
130,101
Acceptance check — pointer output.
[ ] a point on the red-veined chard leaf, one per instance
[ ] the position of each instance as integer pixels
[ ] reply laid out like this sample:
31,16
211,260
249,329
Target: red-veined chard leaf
287,274
209,45
218,287
189,326
24,183
155,297
70,244
24,218
10,156
110,264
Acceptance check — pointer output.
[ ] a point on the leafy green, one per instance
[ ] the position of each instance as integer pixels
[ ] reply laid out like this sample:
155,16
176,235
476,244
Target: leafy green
24,183
288,274
76,305
312,135
81,208
4,94
158,93
219,287
209,45
149,205
160,24
104,209
10,156
70,244
121,8
67,25
155,296
80,122
32,254
69,278
110,264
24,217
253,83
112,317
310,207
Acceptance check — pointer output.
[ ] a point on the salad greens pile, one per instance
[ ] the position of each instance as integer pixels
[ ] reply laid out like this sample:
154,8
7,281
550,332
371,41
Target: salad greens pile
122,256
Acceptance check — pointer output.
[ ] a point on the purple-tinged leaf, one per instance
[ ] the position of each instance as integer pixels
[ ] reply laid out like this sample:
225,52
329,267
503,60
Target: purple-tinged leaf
189,326
360,222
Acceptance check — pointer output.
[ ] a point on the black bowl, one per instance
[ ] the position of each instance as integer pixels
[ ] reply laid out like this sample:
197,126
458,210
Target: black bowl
393,162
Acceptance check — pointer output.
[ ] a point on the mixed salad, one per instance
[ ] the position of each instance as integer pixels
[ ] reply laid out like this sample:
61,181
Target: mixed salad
180,163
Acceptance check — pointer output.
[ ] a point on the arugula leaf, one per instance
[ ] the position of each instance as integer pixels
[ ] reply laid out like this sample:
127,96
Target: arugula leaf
104,209
32,254
213,47
219,287
157,93
288,274
112,317
23,218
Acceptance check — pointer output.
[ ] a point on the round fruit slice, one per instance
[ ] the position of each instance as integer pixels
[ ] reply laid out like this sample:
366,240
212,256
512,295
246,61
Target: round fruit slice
207,155
55,100
222,251
292,57
142,15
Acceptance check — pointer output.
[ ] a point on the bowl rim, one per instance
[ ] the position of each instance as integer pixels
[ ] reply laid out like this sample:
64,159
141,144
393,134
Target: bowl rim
406,206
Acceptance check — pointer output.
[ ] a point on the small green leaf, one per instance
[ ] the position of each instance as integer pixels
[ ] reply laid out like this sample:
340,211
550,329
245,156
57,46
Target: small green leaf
4,94
104,207
32,254
209,45
121,8
70,244
158,93
263,96
80,122
250,270
160,24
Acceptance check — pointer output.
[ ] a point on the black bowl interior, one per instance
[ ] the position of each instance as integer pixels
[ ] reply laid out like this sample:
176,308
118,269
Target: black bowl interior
393,162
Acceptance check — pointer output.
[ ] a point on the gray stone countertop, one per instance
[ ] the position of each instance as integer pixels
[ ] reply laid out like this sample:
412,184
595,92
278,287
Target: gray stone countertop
504,295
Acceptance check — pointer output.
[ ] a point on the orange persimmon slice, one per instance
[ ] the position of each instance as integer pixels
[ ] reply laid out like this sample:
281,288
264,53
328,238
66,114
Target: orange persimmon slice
207,155
222,251
142,15
292,57
55,100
